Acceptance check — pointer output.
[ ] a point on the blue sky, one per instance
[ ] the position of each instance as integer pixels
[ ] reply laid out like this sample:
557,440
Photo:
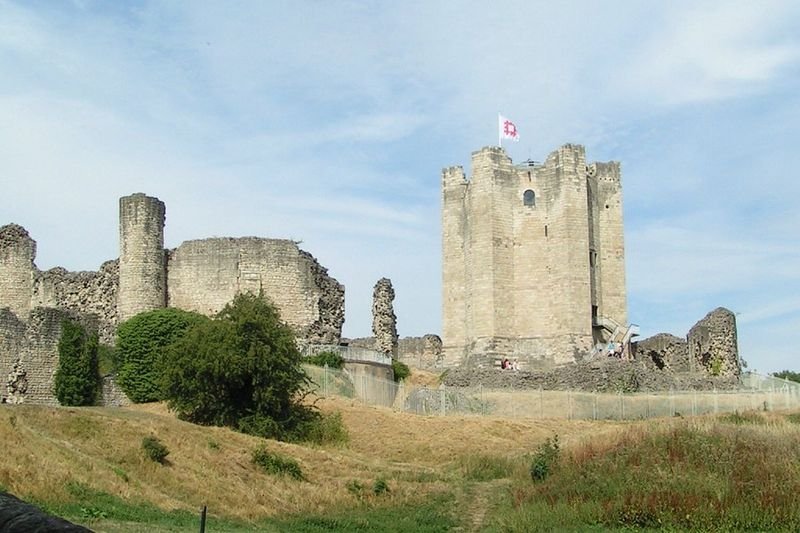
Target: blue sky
329,123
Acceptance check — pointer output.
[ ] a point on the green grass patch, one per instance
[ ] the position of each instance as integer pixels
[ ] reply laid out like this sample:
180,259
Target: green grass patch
721,478
794,418
434,516
102,511
88,506
484,467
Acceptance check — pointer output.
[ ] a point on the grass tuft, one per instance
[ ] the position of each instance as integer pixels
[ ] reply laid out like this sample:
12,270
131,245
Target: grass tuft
273,463
484,467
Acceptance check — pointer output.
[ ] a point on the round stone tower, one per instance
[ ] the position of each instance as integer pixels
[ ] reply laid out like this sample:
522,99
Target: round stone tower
142,267
17,252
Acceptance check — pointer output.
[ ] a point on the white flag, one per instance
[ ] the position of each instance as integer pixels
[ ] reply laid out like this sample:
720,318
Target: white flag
508,130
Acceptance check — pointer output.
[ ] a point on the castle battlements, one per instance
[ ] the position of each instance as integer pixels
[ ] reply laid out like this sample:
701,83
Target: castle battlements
533,257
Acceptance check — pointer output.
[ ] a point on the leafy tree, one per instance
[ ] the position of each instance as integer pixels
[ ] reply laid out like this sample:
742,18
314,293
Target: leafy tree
141,341
77,380
241,369
788,374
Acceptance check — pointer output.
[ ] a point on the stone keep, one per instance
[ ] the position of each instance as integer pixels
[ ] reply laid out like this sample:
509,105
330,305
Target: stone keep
533,257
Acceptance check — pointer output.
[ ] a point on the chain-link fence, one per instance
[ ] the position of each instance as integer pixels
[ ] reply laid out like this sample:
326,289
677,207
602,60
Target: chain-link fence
757,392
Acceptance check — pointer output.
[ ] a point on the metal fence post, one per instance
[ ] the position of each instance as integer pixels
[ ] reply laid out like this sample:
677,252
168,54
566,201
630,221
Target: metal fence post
541,406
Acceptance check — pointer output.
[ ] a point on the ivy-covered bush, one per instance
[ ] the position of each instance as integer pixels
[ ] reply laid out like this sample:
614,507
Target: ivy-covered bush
77,379
141,341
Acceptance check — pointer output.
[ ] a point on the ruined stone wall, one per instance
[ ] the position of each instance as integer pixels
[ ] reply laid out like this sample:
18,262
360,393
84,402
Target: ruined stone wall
516,266
205,275
665,351
597,375
92,293
12,336
419,352
713,343
384,321
17,253
142,275
710,348
34,357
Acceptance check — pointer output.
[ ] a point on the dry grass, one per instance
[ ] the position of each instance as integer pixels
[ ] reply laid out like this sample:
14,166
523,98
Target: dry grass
47,448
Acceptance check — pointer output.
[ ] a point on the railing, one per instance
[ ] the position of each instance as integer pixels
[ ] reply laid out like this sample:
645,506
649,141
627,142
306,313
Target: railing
758,392
349,353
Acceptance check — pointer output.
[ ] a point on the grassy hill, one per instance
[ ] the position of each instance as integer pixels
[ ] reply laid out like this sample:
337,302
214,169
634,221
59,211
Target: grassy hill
402,472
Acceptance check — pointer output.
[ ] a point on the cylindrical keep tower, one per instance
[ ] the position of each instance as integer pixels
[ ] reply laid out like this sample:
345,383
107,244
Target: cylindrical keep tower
17,252
142,268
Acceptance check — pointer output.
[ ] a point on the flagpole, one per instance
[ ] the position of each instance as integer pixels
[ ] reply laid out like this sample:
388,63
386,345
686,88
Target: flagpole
499,133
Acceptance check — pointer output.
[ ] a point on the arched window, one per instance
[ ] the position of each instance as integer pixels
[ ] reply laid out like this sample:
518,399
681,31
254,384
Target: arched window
529,198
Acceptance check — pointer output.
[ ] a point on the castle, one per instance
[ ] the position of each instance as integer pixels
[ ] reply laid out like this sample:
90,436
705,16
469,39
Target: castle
533,259
199,275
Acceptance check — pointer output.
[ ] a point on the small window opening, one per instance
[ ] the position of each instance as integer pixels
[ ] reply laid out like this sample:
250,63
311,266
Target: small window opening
529,198
592,258
545,230
529,175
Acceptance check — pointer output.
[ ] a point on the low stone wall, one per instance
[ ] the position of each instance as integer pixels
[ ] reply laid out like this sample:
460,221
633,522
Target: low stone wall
600,375
419,352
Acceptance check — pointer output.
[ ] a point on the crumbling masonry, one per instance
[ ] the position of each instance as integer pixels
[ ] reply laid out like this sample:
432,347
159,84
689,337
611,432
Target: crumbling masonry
200,275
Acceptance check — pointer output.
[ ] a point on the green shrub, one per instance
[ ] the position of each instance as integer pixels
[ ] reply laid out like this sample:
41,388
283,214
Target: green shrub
141,342
154,449
401,370
380,487
329,359
77,379
241,370
273,463
544,459
322,429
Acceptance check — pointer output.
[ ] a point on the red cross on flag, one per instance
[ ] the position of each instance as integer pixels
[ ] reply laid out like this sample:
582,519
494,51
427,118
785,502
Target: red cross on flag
508,130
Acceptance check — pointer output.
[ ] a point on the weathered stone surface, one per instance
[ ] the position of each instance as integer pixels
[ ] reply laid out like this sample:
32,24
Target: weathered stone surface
92,293
602,375
142,274
384,321
531,253
713,343
112,395
419,352
665,351
17,253
201,275
205,275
